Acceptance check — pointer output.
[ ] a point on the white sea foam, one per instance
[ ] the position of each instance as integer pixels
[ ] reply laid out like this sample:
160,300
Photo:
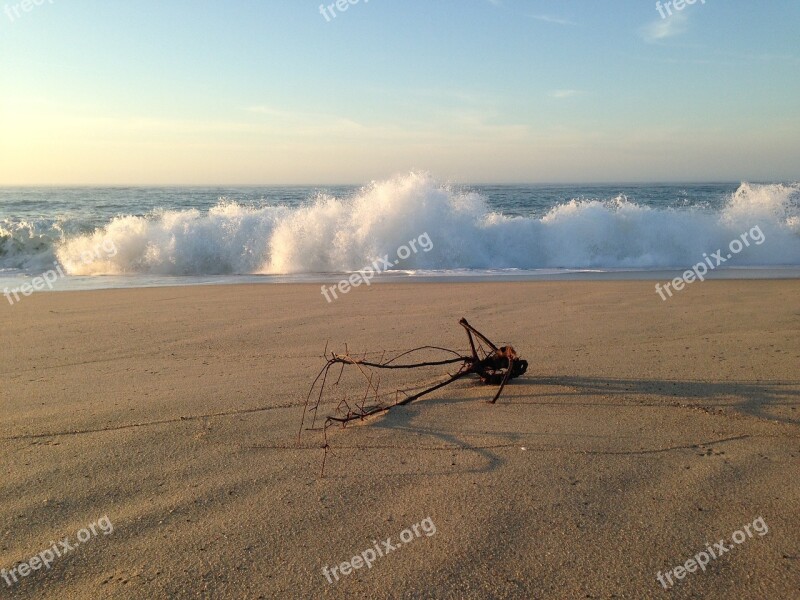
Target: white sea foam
344,234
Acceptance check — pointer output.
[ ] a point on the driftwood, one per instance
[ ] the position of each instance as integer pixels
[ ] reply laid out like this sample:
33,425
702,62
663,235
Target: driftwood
492,365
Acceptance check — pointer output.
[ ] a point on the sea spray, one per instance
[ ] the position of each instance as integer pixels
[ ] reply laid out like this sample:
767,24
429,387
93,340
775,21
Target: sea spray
342,233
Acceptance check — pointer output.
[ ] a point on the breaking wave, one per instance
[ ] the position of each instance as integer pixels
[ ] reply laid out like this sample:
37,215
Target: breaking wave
333,234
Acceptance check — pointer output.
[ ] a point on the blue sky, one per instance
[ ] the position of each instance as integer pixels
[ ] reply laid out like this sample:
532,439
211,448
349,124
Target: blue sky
473,91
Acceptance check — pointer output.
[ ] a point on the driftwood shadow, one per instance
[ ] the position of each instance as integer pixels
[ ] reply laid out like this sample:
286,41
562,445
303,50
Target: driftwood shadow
404,419
747,398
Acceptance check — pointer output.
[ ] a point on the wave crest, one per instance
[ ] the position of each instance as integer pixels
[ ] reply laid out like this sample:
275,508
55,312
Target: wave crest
344,234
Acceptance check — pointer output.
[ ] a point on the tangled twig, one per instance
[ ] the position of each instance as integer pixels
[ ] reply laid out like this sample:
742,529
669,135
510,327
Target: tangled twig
494,366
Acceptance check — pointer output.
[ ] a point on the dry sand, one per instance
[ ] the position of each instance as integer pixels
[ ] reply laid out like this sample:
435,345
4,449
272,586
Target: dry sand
643,430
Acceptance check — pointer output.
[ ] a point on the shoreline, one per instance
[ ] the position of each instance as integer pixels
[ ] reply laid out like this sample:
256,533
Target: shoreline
93,283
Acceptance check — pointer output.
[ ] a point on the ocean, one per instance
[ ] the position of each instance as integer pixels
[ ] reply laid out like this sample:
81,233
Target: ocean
146,236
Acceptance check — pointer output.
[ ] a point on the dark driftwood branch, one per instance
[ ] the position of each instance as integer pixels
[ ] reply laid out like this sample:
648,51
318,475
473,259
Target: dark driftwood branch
497,366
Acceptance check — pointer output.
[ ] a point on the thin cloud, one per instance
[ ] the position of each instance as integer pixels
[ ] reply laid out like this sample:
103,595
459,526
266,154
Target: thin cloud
664,28
555,20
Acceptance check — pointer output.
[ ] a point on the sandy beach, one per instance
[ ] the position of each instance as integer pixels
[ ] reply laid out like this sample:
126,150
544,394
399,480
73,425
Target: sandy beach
644,432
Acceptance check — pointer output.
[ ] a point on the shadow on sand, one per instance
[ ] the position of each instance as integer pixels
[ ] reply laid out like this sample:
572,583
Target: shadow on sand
747,398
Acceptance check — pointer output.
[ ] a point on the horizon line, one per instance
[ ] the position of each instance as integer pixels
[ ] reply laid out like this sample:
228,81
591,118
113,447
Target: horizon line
443,181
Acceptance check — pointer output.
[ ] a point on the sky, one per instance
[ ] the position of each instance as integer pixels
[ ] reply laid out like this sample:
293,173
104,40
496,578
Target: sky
179,92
